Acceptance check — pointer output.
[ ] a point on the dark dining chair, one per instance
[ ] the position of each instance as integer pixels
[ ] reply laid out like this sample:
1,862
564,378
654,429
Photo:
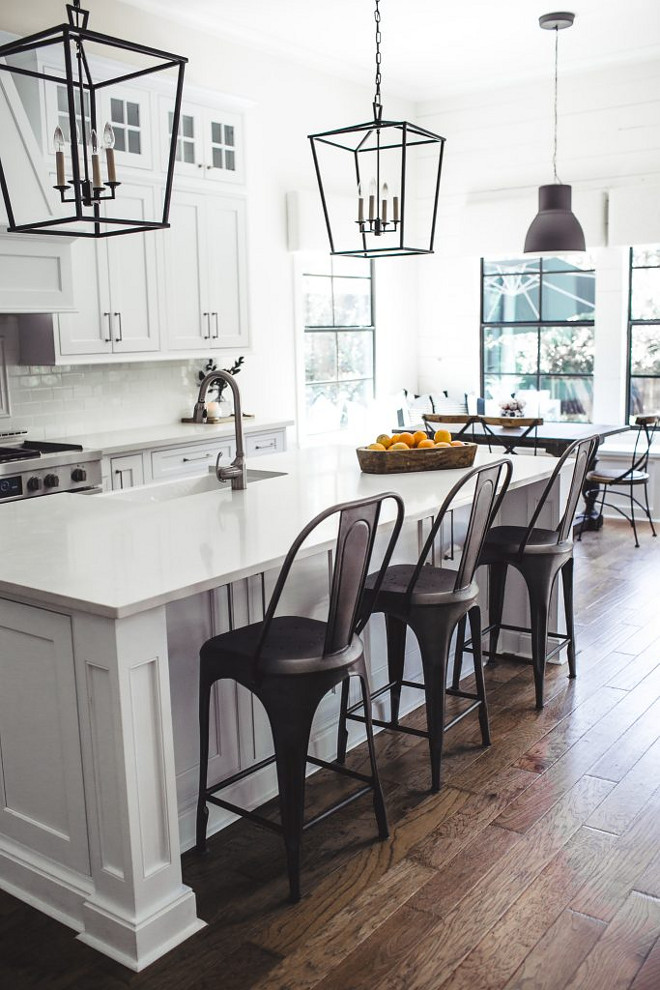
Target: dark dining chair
433,421
432,601
525,423
605,481
290,663
539,555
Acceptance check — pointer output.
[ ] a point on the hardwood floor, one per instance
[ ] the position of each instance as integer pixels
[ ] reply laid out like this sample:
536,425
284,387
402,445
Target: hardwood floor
536,866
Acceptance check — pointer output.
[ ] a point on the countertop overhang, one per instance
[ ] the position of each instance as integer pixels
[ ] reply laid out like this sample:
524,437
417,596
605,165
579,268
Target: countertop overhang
113,558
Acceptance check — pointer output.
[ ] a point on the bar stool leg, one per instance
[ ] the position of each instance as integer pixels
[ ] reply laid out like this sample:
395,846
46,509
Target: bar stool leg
434,640
475,632
648,511
342,731
539,596
290,710
379,800
496,587
567,583
202,809
458,653
396,655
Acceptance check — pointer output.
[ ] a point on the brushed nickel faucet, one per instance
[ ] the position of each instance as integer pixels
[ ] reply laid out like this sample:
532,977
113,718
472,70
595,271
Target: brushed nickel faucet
236,472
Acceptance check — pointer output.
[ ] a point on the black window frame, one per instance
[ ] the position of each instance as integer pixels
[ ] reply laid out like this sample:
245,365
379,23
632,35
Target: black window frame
629,415
538,324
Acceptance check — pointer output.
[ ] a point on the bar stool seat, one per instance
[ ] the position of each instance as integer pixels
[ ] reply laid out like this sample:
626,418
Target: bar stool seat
432,585
290,663
507,539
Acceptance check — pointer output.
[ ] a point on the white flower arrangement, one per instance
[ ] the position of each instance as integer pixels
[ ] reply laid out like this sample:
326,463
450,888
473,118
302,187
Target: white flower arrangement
512,407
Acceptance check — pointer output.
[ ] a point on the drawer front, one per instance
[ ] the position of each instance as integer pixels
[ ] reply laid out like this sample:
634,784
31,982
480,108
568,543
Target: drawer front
180,462
264,443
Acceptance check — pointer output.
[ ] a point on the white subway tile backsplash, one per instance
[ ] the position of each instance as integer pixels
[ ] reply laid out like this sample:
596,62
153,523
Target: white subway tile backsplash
52,402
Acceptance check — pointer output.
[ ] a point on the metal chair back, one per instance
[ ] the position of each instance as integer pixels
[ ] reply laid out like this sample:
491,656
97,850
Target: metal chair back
647,429
491,482
357,525
583,451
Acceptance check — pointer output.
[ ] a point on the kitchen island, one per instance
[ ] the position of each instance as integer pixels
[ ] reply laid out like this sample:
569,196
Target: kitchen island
104,602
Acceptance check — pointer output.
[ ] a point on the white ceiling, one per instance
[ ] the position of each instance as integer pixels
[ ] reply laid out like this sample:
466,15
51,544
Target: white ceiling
430,49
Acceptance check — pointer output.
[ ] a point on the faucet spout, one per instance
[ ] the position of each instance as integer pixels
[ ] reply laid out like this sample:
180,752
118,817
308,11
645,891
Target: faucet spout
236,472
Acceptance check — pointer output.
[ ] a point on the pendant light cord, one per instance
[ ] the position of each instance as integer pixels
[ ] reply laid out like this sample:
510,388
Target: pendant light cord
554,152
377,104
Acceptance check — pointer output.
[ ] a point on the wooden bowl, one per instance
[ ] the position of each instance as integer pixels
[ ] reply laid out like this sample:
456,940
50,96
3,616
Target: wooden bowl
424,459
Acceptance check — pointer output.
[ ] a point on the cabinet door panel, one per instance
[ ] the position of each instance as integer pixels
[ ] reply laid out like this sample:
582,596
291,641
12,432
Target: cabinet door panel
126,471
133,275
186,275
88,331
227,271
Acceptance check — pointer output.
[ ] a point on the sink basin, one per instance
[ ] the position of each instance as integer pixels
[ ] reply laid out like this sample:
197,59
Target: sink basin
168,490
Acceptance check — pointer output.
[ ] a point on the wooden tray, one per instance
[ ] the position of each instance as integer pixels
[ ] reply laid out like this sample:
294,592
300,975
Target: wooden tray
426,459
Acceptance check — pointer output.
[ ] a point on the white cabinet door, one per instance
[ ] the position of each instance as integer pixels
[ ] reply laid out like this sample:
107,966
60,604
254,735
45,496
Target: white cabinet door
43,802
205,273
226,251
126,471
89,330
186,290
210,142
133,276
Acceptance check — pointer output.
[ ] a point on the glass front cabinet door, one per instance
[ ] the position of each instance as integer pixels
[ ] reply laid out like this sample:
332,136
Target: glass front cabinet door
210,142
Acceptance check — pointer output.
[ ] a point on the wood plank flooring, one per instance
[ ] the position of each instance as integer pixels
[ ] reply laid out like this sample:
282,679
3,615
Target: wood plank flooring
536,866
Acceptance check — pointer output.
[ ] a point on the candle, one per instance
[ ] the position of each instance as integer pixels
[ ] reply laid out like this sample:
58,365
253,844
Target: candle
395,205
97,181
372,199
58,141
109,145
384,193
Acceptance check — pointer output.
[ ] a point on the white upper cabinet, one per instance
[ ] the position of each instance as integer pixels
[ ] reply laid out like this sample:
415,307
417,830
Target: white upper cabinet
210,142
117,289
205,272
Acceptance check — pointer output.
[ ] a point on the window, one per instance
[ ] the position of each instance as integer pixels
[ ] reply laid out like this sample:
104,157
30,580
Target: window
644,331
185,142
63,113
537,334
223,150
339,342
125,120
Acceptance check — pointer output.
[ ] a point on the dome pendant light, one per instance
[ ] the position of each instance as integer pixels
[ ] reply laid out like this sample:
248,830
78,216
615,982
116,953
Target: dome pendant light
555,229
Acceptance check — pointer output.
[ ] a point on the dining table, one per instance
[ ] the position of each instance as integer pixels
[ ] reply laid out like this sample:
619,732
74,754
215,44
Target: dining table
553,438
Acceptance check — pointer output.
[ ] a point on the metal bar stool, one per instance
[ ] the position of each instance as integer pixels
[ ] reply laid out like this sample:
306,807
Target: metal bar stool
637,475
290,663
431,601
539,555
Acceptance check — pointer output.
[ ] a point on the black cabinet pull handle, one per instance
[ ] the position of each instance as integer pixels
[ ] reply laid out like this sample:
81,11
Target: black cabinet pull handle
207,335
120,335
108,339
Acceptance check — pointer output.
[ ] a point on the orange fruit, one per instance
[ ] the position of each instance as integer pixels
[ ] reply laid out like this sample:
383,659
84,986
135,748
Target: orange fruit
418,436
456,443
395,438
407,438
442,435
399,446
385,439
425,443
442,443
376,446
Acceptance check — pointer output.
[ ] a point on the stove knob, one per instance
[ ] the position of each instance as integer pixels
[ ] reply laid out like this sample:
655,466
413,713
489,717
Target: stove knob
51,481
79,474
33,484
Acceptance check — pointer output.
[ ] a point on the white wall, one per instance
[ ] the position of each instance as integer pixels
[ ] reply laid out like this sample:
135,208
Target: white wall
499,150
290,102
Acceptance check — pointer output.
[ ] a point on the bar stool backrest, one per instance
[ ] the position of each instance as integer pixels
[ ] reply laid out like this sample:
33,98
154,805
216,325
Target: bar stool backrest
491,482
583,451
357,526
647,429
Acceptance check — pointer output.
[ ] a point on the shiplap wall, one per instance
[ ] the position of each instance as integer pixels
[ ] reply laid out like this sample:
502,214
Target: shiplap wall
499,150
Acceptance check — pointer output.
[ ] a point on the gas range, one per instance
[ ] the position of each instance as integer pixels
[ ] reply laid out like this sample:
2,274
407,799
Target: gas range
31,468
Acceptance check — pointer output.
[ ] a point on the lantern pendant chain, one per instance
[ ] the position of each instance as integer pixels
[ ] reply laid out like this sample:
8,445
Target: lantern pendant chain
378,106
554,153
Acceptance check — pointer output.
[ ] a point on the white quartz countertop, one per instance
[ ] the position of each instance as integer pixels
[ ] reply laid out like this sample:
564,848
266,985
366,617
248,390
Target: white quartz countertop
113,557
169,435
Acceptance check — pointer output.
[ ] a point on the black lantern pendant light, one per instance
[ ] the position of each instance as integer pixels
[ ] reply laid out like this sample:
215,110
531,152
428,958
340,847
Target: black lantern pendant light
374,163
79,178
555,228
